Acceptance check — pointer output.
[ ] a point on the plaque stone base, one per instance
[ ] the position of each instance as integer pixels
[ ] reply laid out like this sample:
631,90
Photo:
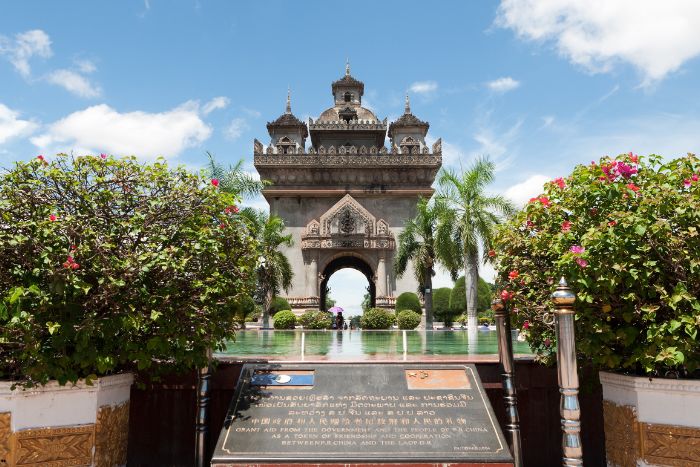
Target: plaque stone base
361,414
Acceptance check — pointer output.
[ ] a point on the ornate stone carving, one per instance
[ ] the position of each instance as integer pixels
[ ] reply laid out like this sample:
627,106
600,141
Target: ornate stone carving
347,222
360,160
111,435
5,437
621,434
257,147
313,228
269,150
342,150
55,447
382,227
363,149
353,150
373,150
437,146
670,445
331,150
382,150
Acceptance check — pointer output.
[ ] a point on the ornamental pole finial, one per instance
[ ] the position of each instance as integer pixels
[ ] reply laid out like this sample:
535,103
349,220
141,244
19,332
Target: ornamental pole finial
289,101
407,109
347,67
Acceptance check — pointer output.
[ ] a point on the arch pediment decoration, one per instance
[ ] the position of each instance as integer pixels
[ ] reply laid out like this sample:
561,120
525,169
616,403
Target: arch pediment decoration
347,224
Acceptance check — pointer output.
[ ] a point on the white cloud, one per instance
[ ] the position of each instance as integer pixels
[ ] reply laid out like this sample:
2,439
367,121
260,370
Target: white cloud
100,128
216,103
496,145
11,126
85,66
74,83
236,128
656,37
522,192
547,121
25,45
503,85
251,112
423,87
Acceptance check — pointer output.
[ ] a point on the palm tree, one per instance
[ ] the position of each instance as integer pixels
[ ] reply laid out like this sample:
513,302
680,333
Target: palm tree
417,243
234,179
469,221
274,273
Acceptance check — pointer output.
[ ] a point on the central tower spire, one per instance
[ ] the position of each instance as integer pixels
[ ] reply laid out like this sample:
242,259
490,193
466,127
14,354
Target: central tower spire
347,67
288,109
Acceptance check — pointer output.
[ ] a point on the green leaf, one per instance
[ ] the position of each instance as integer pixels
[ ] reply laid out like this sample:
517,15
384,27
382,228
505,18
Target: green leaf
640,229
53,327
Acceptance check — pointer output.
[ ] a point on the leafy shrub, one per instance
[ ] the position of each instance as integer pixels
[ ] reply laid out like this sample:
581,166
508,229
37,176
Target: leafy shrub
316,319
624,232
108,265
377,318
407,319
458,296
285,319
278,304
243,307
408,301
484,320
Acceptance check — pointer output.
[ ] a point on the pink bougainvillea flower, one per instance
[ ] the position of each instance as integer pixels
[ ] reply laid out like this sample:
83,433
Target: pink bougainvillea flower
491,253
222,226
103,156
566,226
529,224
513,274
634,158
612,223
231,209
74,266
687,183
626,170
560,182
506,295
235,209
532,200
526,324
41,158
694,177
547,342
633,187
577,250
545,201
53,217
582,262
215,181
73,247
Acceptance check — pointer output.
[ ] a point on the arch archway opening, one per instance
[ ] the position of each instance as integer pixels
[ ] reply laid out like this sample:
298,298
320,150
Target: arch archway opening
342,263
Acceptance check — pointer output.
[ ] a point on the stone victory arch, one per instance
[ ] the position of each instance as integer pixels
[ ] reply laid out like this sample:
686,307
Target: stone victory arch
346,197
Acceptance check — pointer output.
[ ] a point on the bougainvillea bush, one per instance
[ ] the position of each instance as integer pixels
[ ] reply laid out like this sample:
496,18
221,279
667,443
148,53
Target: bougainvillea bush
624,232
108,264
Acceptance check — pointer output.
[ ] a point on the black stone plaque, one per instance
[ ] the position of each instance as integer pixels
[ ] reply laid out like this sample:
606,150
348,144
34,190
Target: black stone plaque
360,413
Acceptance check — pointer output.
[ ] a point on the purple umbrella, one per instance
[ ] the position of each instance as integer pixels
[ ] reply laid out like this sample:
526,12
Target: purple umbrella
335,309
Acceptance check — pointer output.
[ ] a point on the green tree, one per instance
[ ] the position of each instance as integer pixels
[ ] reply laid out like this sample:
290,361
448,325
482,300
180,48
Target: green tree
109,264
458,302
366,302
417,244
234,179
469,222
441,304
274,273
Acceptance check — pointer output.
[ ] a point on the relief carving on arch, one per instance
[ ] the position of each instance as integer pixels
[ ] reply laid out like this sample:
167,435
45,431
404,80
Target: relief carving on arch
347,225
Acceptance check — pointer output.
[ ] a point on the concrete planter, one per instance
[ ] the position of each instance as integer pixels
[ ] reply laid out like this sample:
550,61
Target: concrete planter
651,421
65,425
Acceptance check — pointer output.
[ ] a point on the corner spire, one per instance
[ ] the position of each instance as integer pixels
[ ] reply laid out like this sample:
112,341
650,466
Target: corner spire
407,109
288,110
347,67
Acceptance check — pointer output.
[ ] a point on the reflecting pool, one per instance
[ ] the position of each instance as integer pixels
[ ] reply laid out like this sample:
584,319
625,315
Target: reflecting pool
347,345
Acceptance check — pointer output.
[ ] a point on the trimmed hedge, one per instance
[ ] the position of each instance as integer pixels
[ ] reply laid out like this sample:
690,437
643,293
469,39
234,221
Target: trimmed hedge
408,301
285,319
377,318
279,304
407,319
316,319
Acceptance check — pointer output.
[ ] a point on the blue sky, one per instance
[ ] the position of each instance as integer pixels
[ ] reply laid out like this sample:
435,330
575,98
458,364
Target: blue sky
537,86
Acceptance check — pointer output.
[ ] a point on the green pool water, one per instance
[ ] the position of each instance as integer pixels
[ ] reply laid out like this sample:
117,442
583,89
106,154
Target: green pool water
358,344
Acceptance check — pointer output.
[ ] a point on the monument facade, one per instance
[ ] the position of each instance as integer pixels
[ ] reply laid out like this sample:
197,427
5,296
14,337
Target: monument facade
345,196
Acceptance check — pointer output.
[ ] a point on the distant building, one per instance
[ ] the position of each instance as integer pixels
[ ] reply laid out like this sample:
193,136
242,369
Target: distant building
346,197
